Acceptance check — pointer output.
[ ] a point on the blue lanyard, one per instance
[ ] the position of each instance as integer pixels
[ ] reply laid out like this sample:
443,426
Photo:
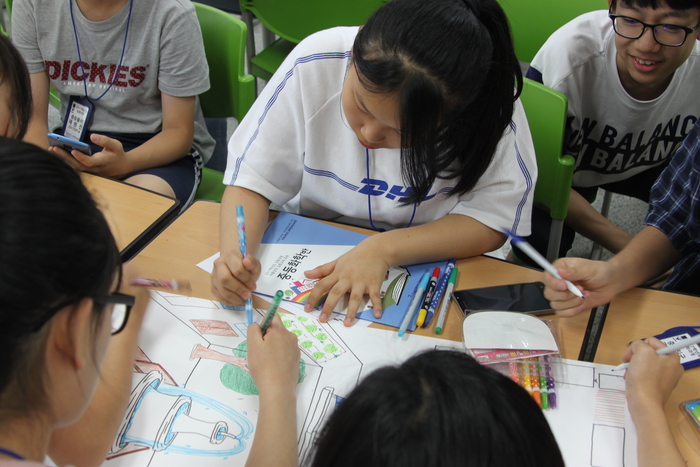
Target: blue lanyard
77,45
369,200
12,454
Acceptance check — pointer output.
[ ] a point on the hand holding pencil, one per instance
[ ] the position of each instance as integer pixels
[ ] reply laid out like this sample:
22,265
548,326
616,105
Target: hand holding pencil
651,377
597,279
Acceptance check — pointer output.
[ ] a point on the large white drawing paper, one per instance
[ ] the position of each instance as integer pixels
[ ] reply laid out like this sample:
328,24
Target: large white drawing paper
194,402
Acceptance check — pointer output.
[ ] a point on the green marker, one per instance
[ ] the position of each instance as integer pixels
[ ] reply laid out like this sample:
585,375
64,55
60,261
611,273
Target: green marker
446,301
271,312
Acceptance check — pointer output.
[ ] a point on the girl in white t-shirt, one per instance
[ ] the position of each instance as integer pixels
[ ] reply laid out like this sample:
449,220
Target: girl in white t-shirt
65,378
411,123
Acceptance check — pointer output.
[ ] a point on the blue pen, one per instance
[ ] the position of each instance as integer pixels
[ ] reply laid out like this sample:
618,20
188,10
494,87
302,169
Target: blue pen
243,245
439,291
415,303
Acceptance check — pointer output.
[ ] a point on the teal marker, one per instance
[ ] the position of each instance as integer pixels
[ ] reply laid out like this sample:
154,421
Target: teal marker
446,301
272,310
417,298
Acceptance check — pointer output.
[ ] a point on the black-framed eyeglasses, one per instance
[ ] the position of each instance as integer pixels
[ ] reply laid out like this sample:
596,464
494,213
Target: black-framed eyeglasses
670,35
121,308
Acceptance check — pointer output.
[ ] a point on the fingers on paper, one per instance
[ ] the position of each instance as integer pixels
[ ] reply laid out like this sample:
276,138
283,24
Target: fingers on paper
376,299
321,271
329,286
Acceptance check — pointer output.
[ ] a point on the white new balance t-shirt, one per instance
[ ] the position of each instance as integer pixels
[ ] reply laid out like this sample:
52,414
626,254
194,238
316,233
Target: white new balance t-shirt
613,135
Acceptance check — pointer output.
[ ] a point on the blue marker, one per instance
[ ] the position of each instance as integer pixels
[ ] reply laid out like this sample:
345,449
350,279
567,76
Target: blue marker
415,303
243,245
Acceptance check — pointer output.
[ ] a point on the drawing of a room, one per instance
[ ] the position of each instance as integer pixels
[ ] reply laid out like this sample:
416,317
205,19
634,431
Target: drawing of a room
193,394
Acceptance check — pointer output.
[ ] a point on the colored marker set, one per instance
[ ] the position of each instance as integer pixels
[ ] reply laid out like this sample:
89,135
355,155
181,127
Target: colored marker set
520,346
536,376
427,296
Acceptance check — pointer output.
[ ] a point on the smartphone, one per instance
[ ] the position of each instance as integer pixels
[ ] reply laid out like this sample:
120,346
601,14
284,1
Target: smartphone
69,144
527,297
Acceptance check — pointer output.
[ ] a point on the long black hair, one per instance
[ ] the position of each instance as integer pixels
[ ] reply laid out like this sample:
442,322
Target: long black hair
56,248
14,74
439,408
453,67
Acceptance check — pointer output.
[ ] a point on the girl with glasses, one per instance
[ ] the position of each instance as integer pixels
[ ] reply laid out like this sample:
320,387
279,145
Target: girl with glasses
64,381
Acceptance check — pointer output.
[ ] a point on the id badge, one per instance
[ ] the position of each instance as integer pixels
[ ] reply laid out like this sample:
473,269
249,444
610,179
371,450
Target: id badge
690,356
78,118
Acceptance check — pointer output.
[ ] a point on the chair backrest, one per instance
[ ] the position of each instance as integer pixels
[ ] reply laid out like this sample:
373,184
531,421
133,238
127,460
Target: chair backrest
4,28
533,21
232,91
294,20
546,115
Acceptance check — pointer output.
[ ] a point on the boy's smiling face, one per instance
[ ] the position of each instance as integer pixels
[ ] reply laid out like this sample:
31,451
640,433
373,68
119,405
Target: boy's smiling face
646,67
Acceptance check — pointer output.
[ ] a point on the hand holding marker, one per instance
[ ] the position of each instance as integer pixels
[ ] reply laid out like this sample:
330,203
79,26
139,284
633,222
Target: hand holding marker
428,297
682,344
271,311
541,260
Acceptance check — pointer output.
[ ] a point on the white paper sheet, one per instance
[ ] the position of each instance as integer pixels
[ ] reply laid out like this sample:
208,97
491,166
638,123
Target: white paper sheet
193,401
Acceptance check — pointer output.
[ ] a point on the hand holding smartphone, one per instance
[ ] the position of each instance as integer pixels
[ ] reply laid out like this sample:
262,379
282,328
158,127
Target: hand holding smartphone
69,144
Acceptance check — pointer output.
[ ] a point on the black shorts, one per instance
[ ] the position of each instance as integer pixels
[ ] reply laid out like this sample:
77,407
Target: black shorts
183,175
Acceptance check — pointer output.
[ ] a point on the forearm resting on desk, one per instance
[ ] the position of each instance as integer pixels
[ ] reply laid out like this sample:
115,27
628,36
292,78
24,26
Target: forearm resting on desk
586,220
453,236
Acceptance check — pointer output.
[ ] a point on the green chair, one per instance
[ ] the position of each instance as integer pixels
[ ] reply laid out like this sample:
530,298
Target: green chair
5,28
232,91
292,21
533,21
545,109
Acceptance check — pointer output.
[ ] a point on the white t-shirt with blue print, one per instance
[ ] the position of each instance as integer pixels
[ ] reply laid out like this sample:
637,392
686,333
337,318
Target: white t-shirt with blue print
295,148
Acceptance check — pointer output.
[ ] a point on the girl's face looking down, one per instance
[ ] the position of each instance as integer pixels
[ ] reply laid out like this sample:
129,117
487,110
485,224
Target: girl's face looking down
373,117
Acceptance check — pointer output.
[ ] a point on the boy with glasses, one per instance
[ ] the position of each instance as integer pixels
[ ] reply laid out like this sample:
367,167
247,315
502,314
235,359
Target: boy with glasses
631,77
